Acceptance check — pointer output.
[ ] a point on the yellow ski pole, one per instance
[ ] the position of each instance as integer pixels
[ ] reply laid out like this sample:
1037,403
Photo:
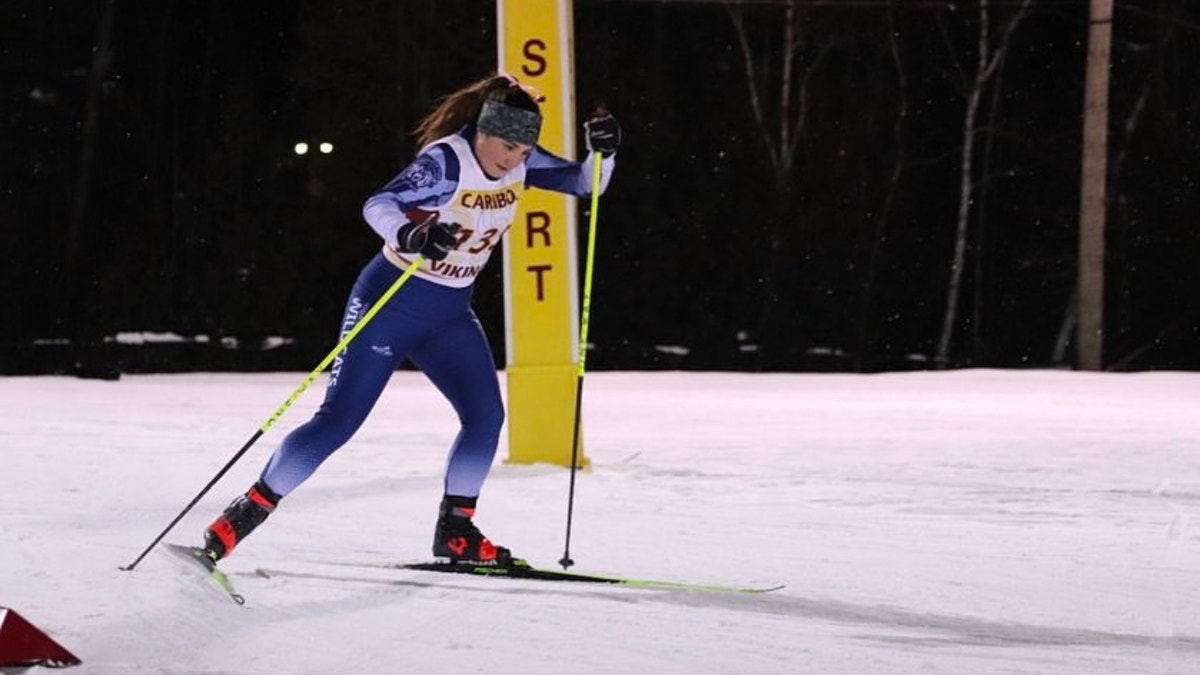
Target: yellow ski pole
585,310
341,345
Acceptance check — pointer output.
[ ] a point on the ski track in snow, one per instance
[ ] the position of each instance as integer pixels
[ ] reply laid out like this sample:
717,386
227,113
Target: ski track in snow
967,521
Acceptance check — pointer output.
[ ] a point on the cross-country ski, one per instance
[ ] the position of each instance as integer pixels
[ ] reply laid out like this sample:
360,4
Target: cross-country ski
194,560
520,569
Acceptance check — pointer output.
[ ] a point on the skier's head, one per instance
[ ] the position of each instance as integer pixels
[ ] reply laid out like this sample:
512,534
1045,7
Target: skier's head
498,105
510,111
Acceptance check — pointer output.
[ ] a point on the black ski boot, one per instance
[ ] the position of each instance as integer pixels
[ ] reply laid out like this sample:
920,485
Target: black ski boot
457,538
239,520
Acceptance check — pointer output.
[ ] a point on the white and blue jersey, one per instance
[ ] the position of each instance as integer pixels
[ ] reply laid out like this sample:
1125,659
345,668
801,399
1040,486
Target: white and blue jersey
446,178
429,321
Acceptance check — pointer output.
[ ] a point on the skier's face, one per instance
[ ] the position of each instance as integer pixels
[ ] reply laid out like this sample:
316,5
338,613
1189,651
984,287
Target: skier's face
497,156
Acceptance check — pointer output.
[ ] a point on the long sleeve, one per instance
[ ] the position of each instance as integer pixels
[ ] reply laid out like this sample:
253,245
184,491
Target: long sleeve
548,171
428,181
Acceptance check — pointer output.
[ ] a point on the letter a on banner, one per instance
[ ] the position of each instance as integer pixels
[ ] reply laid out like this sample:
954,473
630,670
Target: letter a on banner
540,278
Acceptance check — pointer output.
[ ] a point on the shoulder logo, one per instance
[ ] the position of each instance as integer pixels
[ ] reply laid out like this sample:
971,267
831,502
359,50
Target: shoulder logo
424,172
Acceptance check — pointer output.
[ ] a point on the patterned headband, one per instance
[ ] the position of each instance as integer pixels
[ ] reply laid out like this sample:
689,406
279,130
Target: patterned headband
510,123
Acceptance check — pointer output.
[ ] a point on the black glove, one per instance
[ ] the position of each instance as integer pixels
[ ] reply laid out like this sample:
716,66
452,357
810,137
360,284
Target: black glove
425,235
603,132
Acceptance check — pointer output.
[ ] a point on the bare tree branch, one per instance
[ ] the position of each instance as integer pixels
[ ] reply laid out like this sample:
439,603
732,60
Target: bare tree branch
792,96
987,61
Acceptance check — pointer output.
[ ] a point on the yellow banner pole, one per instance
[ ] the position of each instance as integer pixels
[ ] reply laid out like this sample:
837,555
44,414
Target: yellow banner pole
540,280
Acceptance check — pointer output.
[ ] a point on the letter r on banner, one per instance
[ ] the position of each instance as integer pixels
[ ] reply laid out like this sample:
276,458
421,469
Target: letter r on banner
540,275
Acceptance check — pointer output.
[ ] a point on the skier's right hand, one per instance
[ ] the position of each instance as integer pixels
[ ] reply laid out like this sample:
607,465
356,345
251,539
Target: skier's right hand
425,235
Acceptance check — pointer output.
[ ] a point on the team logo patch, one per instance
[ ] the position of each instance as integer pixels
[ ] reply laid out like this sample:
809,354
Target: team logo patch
422,173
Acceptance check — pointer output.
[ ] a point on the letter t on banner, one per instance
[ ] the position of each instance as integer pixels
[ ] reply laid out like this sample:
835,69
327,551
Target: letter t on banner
540,277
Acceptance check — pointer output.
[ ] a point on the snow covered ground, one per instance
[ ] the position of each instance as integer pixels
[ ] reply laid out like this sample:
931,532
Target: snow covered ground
955,522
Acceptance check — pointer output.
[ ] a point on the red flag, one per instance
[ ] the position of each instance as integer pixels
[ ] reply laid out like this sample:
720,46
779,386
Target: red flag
23,645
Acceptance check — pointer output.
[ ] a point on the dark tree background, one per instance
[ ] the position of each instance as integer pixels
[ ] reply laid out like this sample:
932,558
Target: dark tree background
150,186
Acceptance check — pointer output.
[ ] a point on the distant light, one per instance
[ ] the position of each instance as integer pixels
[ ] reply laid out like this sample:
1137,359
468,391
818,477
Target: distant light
326,148
301,148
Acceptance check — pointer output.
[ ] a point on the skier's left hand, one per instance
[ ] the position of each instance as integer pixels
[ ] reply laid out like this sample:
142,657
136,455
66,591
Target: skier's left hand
603,134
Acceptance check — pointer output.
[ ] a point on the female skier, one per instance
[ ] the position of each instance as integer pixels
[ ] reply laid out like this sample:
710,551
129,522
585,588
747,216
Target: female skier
451,205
